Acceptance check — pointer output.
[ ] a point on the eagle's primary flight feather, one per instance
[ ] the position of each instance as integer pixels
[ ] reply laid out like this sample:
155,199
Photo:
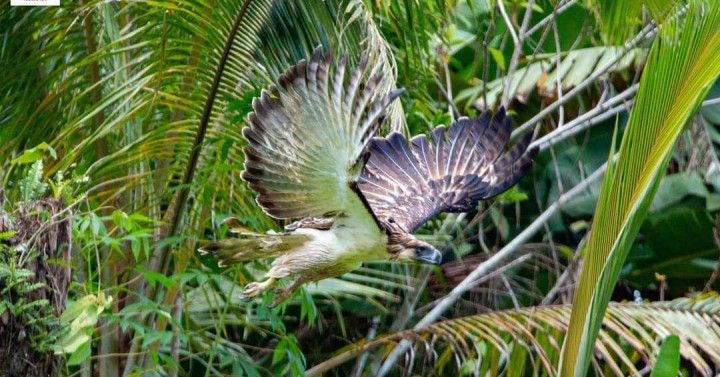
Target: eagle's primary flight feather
312,156
408,184
306,134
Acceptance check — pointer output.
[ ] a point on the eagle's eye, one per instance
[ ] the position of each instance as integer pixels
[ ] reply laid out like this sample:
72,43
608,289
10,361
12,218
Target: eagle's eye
422,254
427,254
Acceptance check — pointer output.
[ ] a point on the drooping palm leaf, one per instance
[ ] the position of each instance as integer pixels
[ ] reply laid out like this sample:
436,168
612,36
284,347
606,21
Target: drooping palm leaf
683,63
529,340
543,75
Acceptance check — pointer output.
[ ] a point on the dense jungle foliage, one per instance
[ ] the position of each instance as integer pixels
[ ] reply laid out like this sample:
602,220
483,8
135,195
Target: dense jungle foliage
121,146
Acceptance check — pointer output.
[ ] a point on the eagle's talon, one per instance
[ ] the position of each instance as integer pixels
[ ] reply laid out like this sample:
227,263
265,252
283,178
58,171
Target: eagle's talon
257,288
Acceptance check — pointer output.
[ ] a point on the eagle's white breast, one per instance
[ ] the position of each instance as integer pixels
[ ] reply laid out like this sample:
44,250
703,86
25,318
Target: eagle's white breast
353,239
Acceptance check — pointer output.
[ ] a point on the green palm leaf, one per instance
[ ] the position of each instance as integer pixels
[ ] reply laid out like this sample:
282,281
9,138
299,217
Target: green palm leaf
621,19
529,340
542,75
148,99
166,70
683,63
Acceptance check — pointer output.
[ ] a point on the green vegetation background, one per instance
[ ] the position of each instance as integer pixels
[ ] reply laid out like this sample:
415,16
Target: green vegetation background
129,113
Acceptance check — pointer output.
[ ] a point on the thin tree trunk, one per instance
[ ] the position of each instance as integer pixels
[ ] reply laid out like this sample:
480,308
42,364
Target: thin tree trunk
109,333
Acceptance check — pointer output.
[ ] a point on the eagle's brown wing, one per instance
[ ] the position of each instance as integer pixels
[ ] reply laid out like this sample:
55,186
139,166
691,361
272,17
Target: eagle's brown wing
307,133
408,184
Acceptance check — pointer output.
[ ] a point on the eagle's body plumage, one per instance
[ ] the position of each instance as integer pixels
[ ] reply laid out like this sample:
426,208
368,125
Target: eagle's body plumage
312,156
333,252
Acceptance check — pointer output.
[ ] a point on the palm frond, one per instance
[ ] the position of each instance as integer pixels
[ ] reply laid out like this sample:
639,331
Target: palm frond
619,20
542,75
683,64
148,99
514,342
168,70
226,294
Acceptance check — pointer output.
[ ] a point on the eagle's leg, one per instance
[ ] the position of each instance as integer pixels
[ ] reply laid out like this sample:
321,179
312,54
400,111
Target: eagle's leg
282,294
257,288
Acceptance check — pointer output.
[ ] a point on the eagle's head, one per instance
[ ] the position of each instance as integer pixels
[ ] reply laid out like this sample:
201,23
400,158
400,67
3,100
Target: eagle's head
405,247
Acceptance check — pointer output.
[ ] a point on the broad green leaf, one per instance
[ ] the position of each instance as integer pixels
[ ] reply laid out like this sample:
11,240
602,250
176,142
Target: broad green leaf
673,188
155,277
73,341
76,307
683,63
80,354
667,363
35,154
163,337
498,57
676,243
513,195
248,367
81,316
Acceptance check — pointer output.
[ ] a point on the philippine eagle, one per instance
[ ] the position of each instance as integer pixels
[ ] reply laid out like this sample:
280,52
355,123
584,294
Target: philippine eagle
312,156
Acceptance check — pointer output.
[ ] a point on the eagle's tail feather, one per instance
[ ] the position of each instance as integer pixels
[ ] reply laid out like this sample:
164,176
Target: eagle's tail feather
252,247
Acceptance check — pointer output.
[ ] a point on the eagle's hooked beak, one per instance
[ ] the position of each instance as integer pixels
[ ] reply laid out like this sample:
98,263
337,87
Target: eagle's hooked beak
427,254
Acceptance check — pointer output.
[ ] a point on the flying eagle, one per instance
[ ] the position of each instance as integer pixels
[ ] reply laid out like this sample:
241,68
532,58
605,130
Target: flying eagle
312,155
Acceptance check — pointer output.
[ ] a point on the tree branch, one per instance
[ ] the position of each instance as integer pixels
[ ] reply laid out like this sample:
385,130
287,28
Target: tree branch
508,23
519,41
598,114
710,102
562,8
648,31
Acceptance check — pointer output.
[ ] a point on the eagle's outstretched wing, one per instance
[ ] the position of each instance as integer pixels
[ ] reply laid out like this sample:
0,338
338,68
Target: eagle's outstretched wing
307,133
406,185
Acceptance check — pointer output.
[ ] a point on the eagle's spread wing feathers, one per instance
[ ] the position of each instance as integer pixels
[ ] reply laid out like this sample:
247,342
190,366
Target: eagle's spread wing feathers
307,133
407,184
